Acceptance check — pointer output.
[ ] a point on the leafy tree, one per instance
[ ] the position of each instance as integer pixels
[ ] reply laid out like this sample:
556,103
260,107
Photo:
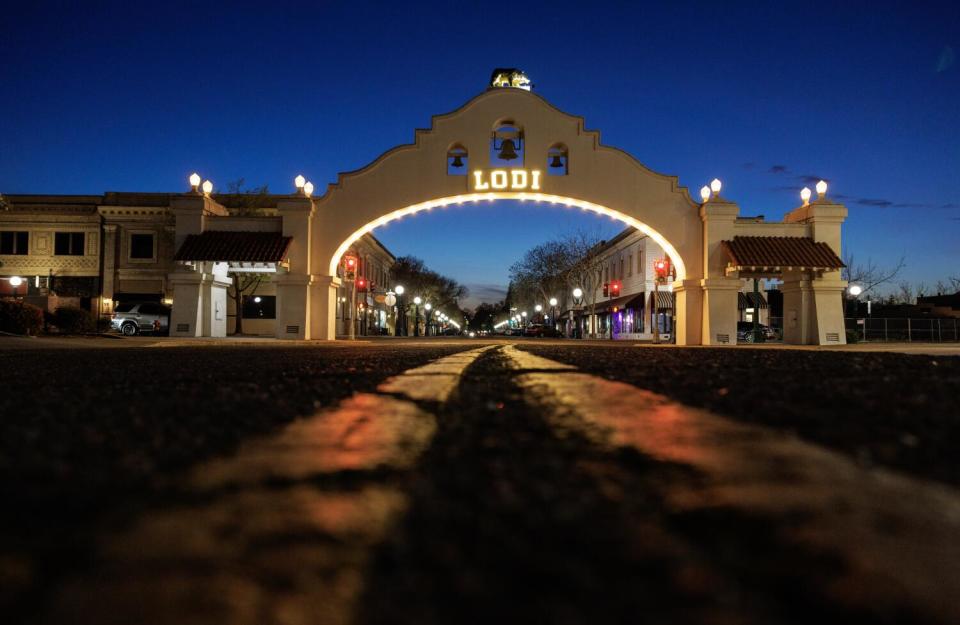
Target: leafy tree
442,292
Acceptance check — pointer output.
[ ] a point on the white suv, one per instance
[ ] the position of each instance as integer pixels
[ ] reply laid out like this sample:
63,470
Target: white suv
135,317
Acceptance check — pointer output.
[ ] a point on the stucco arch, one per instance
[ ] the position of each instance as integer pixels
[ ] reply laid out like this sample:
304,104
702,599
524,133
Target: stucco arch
411,178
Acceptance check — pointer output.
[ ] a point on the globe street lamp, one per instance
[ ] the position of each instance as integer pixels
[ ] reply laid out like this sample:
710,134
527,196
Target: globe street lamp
553,311
426,318
15,282
854,290
401,311
416,315
577,302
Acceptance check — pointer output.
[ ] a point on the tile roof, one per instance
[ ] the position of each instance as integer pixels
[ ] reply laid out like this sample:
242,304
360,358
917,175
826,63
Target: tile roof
220,245
781,252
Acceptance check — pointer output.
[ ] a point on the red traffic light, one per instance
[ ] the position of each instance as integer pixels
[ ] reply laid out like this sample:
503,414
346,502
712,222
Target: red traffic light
662,267
606,289
361,284
615,288
350,262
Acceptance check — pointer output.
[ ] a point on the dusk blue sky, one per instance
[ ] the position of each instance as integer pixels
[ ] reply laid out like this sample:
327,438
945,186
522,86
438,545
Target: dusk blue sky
135,96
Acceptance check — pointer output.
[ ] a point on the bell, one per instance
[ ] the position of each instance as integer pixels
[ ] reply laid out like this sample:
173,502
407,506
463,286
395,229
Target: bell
556,162
507,150
457,161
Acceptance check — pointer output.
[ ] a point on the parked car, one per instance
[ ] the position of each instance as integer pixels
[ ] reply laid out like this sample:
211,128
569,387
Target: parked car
745,332
132,318
537,329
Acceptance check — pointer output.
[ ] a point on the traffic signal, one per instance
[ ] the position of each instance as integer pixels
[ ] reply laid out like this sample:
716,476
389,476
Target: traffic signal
615,288
361,284
662,267
349,267
606,289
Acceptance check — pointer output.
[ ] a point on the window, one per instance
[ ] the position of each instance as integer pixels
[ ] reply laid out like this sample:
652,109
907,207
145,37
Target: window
68,244
621,268
14,243
630,265
141,246
259,307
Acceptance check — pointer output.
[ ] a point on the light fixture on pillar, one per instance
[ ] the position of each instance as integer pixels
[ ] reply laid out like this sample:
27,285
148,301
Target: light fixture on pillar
715,186
308,188
705,193
805,195
195,182
299,182
207,187
821,189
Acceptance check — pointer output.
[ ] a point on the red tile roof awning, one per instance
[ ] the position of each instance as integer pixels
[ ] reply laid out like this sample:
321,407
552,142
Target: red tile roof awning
223,246
781,252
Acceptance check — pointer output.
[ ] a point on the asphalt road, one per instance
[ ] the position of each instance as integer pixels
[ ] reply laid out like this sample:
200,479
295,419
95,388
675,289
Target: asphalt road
462,481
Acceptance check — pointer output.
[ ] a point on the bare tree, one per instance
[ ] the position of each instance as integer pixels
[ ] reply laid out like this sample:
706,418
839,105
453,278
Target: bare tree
585,267
869,275
244,202
905,293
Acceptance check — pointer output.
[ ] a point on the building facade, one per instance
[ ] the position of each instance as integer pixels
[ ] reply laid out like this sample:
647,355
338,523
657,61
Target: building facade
99,251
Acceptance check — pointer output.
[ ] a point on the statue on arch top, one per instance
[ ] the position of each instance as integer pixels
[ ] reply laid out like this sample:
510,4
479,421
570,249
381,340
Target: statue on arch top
510,77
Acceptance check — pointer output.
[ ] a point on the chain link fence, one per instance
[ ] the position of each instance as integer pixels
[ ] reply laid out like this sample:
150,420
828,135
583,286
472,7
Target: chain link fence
904,329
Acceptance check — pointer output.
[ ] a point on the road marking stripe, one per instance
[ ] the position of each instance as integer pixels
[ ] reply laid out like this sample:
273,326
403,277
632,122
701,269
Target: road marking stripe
897,535
261,553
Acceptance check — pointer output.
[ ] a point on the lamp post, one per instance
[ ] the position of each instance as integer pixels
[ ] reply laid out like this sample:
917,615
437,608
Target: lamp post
855,290
416,315
539,310
553,311
426,318
577,302
401,311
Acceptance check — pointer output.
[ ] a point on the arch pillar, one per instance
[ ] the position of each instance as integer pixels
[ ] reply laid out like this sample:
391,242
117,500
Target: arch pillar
323,303
688,314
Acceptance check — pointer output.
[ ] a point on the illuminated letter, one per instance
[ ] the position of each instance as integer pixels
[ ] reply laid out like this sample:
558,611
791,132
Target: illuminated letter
535,185
498,179
478,182
518,179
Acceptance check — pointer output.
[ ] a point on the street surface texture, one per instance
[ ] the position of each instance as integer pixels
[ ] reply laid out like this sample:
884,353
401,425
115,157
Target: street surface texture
443,481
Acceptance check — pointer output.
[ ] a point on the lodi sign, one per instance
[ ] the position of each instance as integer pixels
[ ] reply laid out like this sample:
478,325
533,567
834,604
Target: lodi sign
506,180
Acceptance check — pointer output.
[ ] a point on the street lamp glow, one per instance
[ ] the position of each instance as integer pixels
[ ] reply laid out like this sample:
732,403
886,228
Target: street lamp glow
257,300
805,195
399,290
578,292
821,188
194,180
16,281
299,181
417,300
553,301
427,306
538,308
308,188
207,187
524,314
704,193
715,186
855,290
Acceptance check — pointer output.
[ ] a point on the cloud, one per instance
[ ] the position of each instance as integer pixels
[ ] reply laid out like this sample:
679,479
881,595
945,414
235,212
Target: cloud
811,179
950,205
946,59
484,293
778,169
873,202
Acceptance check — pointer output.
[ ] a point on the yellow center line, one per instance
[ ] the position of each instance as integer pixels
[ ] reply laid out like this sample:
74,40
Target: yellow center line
897,536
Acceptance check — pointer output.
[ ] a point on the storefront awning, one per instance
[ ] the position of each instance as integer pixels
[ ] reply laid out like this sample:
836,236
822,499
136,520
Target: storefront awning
751,300
624,301
664,300
780,253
